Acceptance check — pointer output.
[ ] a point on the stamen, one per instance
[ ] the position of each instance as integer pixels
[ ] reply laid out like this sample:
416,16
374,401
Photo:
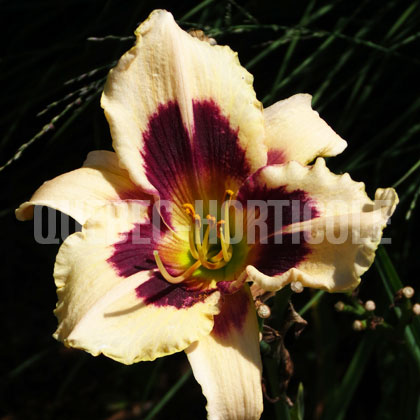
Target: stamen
225,237
197,233
197,220
212,220
178,279
219,228
200,249
211,223
225,246
193,249
189,209
229,194
213,265
217,257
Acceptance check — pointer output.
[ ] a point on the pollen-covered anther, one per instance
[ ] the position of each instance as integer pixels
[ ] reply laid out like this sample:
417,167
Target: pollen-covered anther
229,194
189,209
197,220
211,221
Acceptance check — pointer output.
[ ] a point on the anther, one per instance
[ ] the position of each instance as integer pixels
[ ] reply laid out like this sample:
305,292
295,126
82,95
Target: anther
212,220
197,220
229,194
189,209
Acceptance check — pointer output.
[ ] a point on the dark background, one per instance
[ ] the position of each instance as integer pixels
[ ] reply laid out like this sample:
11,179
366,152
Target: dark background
361,62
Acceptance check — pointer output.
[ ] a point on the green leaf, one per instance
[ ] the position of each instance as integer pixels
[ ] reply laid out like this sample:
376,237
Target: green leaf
393,284
298,410
342,397
169,395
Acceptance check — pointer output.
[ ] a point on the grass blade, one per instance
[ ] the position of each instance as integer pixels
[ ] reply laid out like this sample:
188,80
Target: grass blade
169,395
393,284
344,394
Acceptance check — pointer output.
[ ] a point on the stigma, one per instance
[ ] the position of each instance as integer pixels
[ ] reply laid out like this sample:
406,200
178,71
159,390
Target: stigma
205,255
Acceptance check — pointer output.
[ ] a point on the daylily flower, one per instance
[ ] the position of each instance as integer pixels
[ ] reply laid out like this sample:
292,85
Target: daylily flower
187,128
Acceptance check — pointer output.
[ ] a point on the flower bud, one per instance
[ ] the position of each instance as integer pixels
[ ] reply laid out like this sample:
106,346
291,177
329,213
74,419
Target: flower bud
263,311
370,305
408,292
358,325
339,306
416,309
296,286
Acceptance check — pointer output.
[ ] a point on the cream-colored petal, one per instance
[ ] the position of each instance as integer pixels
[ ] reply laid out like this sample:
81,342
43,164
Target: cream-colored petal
168,66
80,192
342,241
227,363
105,308
294,131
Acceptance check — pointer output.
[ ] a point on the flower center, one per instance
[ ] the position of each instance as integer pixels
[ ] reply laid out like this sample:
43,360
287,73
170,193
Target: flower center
200,249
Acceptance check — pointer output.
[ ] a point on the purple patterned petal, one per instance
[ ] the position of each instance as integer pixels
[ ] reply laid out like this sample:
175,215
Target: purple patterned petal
233,314
168,155
275,156
135,251
158,292
293,206
184,170
217,148
277,253
280,254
